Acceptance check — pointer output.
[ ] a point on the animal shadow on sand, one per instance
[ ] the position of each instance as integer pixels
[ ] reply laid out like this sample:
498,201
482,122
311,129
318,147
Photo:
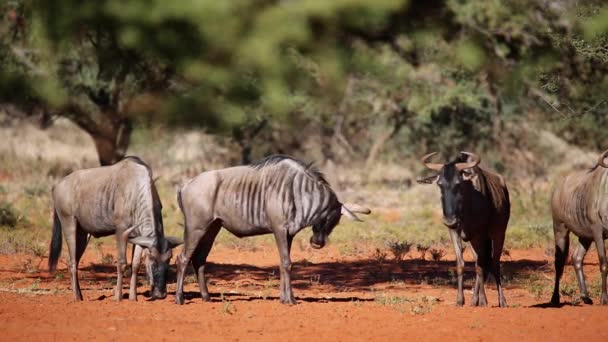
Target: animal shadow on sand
241,281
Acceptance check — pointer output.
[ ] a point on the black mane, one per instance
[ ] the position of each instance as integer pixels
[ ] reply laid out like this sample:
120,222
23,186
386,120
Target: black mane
275,159
139,161
136,159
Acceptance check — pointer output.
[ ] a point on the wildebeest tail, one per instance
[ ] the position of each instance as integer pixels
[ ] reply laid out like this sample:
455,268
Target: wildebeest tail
179,199
56,240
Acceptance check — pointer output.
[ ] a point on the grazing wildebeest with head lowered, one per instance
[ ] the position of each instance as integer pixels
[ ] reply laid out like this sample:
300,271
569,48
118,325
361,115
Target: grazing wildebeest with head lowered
580,205
476,208
119,199
278,195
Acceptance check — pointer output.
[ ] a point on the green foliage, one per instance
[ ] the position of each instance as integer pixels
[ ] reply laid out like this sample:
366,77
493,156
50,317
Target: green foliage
8,215
440,76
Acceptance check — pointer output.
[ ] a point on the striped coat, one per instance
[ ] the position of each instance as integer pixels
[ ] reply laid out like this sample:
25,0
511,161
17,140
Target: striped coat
580,205
278,195
119,200
249,200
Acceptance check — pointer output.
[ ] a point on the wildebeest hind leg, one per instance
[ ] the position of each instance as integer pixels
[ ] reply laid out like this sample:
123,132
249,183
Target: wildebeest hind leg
562,244
598,236
497,243
70,232
192,239
577,259
199,257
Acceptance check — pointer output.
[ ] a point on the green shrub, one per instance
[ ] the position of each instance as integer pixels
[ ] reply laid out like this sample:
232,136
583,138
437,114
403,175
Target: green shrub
8,215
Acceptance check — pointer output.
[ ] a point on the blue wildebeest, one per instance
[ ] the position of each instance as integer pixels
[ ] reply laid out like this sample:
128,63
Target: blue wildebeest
120,199
580,205
278,195
476,208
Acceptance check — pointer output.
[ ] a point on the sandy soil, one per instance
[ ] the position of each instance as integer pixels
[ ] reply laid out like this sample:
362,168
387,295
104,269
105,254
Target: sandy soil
340,299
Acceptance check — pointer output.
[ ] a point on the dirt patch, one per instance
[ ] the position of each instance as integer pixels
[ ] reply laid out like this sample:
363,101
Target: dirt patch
340,299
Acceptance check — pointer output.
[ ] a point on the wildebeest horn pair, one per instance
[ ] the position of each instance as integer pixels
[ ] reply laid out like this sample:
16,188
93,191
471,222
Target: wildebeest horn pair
460,166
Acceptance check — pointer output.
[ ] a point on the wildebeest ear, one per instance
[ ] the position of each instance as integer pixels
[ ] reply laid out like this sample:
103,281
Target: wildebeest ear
346,212
174,241
427,180
144,241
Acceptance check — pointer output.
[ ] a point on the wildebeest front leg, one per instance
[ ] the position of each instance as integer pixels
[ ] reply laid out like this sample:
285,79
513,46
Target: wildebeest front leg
457,242
562,244
135,262
480,251
284,240
577,259
121,264
598,236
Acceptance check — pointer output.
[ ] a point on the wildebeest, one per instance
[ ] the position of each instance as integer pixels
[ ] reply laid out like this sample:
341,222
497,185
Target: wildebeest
119,199
476,208
580,205
278,195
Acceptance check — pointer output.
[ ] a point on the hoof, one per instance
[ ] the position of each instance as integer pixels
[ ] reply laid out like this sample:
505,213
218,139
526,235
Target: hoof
460,302
206,297
179,299
479,302
290,301
604,300
133,298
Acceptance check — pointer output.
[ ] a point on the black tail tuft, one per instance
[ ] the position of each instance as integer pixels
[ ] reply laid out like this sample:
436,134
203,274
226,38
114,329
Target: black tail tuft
179,199
56,240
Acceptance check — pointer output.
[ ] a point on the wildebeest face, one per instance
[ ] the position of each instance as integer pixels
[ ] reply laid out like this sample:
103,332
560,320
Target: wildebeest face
453,186
454,180
159,263
159,257
322,229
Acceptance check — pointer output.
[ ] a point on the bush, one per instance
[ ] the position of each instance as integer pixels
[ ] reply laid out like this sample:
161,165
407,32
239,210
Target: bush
399,249
8,215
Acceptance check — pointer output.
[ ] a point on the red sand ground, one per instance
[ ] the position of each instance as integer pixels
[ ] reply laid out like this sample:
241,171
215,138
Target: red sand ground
340,299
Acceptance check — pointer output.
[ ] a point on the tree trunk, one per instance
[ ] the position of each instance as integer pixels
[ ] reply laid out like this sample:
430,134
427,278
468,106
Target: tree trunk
112,142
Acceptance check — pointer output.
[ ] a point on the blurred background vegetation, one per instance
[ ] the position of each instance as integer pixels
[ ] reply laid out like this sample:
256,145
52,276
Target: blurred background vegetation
363,87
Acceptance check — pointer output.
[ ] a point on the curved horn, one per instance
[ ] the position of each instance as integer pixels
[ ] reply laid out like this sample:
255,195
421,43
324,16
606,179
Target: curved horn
473,163
600,161
355,208
346,212
431,166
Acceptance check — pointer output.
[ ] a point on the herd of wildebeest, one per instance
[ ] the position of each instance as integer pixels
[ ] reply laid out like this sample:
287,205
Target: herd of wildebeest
281,195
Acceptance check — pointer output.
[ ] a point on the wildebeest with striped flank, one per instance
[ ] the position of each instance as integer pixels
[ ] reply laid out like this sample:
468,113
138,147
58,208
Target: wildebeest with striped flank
580,205
476,208
278,195
120,199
